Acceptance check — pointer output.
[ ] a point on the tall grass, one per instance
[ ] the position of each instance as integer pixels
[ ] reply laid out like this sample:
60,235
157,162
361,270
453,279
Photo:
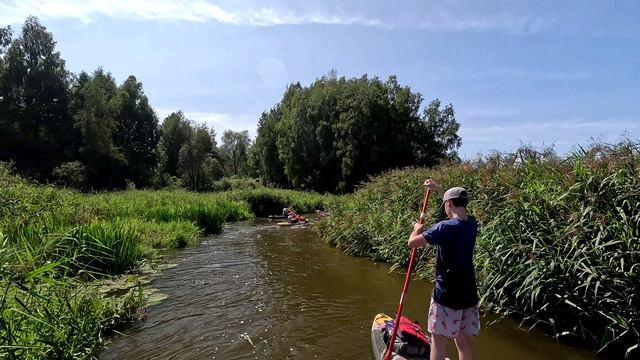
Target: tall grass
46,318
558,243
105,248
50,307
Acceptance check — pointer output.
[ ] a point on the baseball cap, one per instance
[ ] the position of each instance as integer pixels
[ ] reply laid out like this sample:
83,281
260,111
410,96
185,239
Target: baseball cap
455,193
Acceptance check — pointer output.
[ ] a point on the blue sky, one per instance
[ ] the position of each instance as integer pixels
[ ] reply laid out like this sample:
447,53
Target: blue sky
534,72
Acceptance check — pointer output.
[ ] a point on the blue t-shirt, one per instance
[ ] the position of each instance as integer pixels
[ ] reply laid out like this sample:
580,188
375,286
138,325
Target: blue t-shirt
455,275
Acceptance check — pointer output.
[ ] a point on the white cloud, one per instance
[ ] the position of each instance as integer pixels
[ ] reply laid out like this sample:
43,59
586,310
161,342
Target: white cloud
86,11
515,24
564,135
270,16
572,131
485,112
242,13
543,74
219,121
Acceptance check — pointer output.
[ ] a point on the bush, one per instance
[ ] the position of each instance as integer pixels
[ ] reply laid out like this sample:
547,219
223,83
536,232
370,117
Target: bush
235,183
72,174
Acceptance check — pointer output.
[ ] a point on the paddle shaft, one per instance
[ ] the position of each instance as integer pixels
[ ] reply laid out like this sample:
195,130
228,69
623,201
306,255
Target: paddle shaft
392,339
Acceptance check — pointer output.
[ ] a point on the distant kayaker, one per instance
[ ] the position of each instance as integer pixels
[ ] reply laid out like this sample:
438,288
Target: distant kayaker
293,218
321,212
453,312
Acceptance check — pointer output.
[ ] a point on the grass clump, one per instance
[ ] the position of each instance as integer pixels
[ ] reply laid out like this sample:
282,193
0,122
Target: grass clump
105,248
44,318
166,235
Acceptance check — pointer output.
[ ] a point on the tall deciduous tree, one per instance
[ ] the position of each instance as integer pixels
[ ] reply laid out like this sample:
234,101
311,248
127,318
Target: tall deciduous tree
136,133
264,154
333,134
441,130
175,131
98,106
234,149
36,128
193,159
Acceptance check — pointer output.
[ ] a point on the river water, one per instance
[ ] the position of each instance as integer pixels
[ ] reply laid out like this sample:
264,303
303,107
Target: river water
259,291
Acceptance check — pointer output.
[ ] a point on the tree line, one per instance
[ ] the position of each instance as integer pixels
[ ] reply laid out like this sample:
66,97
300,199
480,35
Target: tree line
87,131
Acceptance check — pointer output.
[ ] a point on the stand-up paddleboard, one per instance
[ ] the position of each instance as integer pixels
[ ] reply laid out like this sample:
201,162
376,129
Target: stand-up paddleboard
404,348
286,223
379,332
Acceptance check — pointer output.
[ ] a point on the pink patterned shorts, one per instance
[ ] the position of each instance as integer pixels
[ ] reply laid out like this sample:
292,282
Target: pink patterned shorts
450,323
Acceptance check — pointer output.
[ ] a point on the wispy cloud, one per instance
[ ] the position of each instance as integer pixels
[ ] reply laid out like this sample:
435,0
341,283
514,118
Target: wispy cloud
515,24
543,74
549,131
86,11
564,135
485,113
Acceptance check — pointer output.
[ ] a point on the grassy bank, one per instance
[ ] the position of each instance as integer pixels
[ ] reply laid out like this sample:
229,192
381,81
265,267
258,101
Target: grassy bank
559,240
58,245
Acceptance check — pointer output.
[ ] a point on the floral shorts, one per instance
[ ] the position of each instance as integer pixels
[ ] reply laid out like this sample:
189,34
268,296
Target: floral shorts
450,323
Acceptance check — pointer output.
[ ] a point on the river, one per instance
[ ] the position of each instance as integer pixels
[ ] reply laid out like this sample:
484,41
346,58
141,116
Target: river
259,291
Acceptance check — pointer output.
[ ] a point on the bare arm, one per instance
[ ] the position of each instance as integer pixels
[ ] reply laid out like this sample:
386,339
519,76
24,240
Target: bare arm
416,239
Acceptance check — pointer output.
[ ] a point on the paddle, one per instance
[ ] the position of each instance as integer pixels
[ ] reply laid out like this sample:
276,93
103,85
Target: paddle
290,208
392,339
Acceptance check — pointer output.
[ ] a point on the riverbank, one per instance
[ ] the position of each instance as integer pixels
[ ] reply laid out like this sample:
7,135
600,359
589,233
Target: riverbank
59,245
558,244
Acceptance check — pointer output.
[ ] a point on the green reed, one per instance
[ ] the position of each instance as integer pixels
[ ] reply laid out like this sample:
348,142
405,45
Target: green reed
558,244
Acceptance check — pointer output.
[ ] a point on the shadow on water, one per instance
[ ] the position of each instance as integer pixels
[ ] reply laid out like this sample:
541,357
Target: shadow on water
259,291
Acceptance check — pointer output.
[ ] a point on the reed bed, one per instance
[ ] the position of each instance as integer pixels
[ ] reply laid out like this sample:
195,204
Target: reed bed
558,244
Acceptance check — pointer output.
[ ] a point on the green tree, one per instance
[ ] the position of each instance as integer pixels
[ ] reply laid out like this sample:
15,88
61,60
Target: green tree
264,153
175,131
70,174
136,133
195,168
96,116
7,125
439,135
234,150
333,134
36,128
